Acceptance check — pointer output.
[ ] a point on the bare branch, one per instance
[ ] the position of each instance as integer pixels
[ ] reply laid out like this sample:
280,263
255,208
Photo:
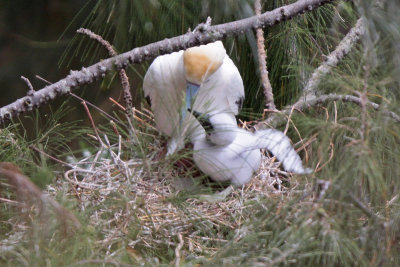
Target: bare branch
303,104
309,94
262,62
122,73
207,35
43,79
335,57
30,87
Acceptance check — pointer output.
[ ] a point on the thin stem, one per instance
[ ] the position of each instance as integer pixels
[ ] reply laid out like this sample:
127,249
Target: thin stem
262,62
122,73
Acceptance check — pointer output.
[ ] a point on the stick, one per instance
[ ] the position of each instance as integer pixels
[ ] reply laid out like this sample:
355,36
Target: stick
262,62
122,73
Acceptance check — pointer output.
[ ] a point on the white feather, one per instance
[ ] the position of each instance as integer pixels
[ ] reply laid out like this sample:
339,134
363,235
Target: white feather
165,84
236,161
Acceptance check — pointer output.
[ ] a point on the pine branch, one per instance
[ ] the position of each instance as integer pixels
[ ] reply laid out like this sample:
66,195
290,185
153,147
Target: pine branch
203,34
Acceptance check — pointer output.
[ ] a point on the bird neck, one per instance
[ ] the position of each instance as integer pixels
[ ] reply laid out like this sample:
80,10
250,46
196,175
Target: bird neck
223,130
191,92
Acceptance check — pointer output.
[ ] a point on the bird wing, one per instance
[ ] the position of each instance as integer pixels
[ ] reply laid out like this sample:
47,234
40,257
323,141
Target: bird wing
234,86
279,145
164,85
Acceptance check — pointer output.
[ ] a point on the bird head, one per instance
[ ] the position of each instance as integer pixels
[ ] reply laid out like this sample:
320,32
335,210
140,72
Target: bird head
221,128
202,61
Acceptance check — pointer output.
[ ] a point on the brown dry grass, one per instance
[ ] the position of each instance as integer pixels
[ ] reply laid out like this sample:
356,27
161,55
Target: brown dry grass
159,212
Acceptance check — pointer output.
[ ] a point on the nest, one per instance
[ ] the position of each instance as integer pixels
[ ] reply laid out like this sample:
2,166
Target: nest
148,204
151,211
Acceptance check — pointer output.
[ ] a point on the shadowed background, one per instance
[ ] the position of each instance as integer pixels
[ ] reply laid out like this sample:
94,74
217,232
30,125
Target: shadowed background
29,46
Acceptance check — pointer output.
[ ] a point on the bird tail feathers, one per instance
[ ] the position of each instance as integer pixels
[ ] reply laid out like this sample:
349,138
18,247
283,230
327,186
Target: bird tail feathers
279,145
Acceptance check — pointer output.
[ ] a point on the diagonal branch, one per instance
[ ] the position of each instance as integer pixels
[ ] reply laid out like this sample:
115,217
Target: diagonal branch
335,57
204,35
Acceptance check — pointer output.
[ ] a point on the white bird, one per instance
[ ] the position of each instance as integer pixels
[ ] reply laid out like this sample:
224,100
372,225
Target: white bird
226,152
203,78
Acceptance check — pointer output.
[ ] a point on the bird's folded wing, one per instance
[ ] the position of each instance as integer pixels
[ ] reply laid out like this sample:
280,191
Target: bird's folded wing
164,85
234,87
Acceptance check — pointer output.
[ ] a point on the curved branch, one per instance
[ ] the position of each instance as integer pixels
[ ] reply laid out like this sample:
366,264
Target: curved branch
202,35
303,104
122,73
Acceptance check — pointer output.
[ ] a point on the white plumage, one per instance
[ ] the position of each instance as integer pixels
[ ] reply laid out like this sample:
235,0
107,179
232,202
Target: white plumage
212,83
226,152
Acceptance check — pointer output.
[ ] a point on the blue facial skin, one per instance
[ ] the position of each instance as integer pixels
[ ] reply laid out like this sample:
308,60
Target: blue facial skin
191,92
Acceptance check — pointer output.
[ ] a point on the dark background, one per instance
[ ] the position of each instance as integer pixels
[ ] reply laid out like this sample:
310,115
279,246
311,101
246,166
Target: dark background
34,36
29,45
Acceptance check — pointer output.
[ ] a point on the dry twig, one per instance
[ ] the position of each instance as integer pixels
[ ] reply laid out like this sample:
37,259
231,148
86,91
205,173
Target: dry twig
30,87
177,251
92,123
262,62
97,108
50,156
122,73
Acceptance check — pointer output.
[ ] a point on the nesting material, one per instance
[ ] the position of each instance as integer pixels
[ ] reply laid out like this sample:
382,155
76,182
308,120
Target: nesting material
151,212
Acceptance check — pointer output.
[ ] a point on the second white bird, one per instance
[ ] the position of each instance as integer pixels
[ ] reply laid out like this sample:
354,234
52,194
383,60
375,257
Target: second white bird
226,152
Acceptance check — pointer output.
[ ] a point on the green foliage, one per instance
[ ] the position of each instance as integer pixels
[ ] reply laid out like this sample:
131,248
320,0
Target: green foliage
49,134
295,232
